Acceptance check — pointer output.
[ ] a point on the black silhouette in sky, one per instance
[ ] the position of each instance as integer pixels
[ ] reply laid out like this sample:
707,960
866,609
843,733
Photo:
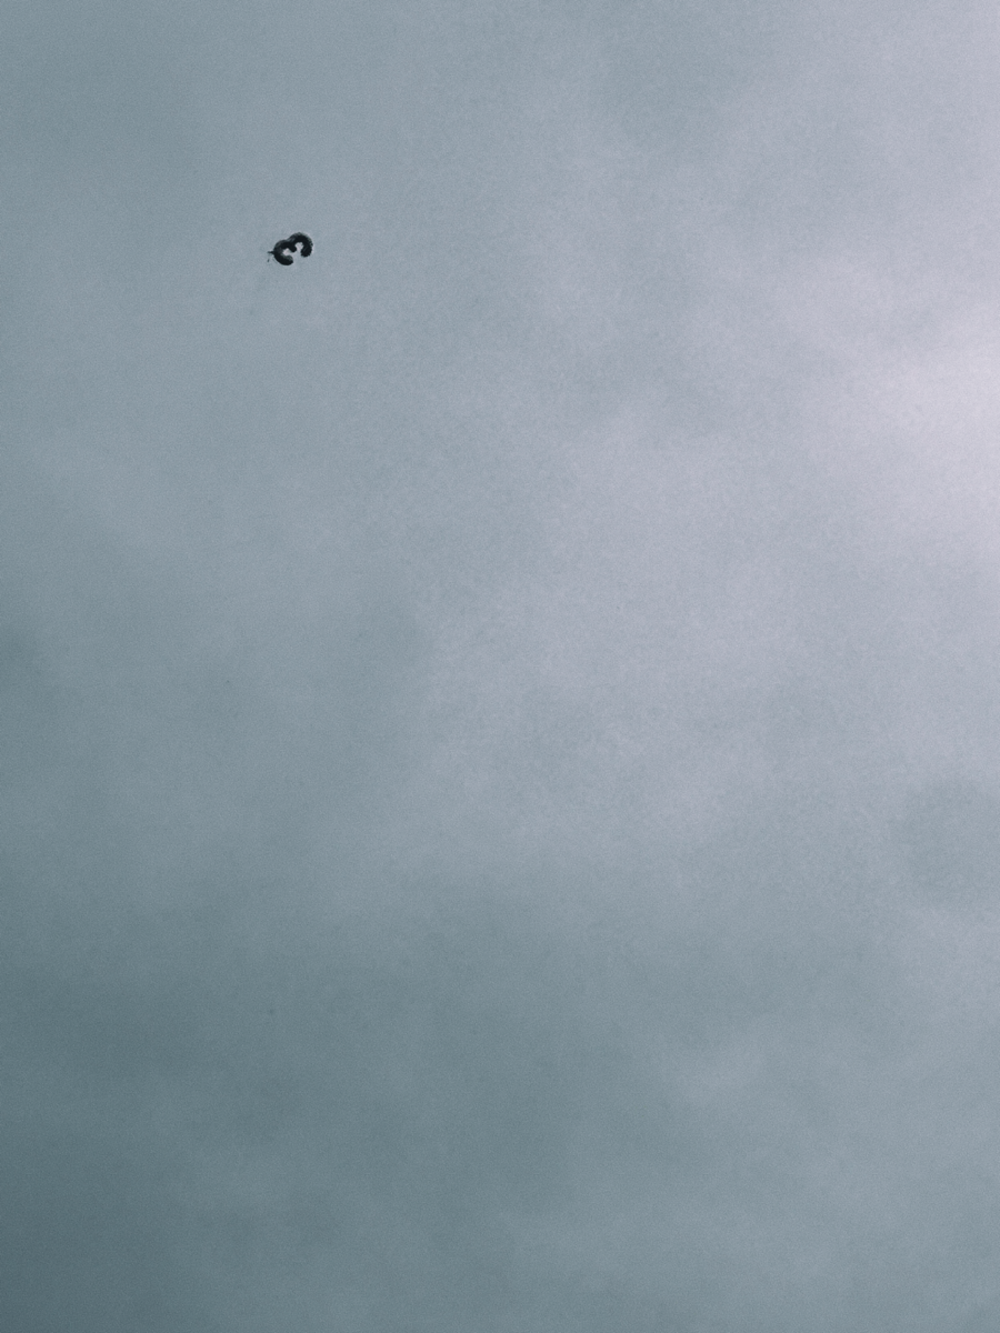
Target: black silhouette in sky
284,250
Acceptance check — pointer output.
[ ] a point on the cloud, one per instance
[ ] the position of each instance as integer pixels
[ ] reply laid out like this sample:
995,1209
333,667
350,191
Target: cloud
498,719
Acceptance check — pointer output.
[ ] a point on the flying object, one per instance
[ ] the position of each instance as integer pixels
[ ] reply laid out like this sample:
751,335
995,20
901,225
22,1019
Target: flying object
297,242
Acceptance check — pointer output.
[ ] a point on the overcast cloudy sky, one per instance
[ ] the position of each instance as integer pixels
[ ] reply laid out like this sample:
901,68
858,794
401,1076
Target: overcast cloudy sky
501,718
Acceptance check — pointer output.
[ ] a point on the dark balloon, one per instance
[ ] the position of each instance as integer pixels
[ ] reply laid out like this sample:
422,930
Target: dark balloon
284,250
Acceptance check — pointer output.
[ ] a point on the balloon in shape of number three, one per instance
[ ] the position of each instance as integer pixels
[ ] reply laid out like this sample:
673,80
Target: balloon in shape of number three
284,250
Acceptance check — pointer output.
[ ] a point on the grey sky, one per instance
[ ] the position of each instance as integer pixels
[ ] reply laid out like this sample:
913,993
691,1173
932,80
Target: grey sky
501,811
